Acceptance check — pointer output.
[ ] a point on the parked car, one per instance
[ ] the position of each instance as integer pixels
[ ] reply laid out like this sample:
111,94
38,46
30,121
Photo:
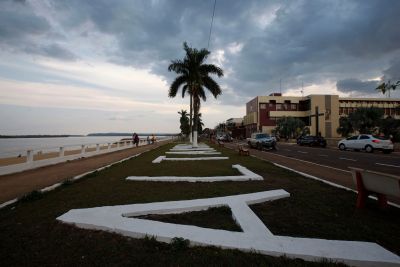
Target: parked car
310,140
366,142
224,138
261,141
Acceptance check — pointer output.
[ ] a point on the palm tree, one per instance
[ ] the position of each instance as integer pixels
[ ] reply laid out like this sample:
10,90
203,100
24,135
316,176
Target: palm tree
386,87
200,124
184,121
194,78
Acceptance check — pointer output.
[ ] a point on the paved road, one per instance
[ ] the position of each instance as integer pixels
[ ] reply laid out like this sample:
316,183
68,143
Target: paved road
333,157
329,164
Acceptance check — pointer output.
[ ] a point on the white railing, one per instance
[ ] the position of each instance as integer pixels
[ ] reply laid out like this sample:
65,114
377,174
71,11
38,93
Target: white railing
87,150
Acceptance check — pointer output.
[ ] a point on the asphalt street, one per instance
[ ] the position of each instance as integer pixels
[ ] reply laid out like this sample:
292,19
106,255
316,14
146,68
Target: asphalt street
335,158
329,164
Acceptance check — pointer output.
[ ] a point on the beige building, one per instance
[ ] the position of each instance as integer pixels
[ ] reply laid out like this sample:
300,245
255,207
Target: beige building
262,112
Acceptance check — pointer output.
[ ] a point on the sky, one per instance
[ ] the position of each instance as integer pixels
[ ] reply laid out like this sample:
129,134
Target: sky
82,66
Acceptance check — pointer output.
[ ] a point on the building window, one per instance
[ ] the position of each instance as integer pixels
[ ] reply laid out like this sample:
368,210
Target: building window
271,105
293,106
278,106
263,106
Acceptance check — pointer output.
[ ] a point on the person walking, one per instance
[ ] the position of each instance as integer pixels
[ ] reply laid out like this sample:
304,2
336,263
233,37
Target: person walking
136,140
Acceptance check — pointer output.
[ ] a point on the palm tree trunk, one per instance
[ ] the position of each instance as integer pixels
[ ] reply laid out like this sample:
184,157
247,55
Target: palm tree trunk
190,119
196,120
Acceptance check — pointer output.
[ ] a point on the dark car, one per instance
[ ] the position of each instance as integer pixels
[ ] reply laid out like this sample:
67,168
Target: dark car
311,140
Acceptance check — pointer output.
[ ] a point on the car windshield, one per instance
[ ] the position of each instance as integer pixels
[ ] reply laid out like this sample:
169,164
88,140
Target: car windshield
262,136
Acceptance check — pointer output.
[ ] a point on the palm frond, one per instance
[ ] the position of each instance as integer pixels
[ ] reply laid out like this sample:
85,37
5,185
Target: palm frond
202,94
212,86
178,82
178,66
211,69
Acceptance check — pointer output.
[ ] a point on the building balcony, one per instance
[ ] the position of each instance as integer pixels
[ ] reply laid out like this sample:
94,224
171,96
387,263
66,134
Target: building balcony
284,113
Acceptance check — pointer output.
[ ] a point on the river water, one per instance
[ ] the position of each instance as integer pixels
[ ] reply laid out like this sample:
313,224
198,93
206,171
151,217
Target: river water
10,147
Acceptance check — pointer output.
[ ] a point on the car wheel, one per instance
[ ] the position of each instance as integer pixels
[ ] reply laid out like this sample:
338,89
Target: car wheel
369,149
342,147
259,146
273,146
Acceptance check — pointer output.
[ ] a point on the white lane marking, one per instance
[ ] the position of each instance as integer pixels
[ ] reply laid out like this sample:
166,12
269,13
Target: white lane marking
395,166
321,165
323,155
348,159
302,152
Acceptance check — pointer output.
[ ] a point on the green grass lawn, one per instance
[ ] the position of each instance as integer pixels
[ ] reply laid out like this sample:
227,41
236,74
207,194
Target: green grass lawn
30,234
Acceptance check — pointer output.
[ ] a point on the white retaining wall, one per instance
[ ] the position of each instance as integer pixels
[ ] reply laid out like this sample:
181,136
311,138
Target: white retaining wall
33,164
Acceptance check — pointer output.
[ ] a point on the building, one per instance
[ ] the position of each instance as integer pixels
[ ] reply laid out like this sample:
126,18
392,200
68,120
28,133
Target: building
262,112
236,128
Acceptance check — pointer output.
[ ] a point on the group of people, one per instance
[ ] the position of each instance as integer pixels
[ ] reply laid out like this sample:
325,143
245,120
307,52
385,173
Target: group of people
150,140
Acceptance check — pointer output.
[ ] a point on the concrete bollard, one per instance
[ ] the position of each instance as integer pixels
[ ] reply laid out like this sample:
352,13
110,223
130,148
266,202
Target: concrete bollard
29,156
97,147
108,146
117,144
82,149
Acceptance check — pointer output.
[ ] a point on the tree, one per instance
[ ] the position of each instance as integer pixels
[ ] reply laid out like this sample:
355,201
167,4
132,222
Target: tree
181,67
345,127
364,120
184,121
289,127
390,127
200,125
194,78
386,87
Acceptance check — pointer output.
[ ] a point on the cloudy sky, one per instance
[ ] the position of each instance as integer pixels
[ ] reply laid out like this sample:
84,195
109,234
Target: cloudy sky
81,66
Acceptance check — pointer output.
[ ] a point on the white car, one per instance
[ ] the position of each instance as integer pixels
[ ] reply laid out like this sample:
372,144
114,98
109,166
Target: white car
366,142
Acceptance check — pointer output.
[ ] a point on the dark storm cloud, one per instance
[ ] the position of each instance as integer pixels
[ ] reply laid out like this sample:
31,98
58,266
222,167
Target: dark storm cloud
17,23
347,42
318,40
353,85
23,30
52,50
393,72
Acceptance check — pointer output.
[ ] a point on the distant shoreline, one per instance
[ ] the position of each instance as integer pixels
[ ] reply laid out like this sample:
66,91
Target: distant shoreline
89,135
129,134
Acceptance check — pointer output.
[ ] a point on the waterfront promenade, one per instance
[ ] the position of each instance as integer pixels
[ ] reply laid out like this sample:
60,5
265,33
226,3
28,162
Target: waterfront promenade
16,185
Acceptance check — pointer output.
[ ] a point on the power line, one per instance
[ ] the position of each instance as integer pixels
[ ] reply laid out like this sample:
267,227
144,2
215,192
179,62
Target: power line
212,20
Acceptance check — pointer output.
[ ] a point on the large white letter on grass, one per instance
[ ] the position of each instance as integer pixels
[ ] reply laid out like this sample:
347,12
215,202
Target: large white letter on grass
246,176
255,235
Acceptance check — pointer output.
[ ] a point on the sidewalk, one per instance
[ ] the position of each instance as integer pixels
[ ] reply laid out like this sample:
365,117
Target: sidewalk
16,185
